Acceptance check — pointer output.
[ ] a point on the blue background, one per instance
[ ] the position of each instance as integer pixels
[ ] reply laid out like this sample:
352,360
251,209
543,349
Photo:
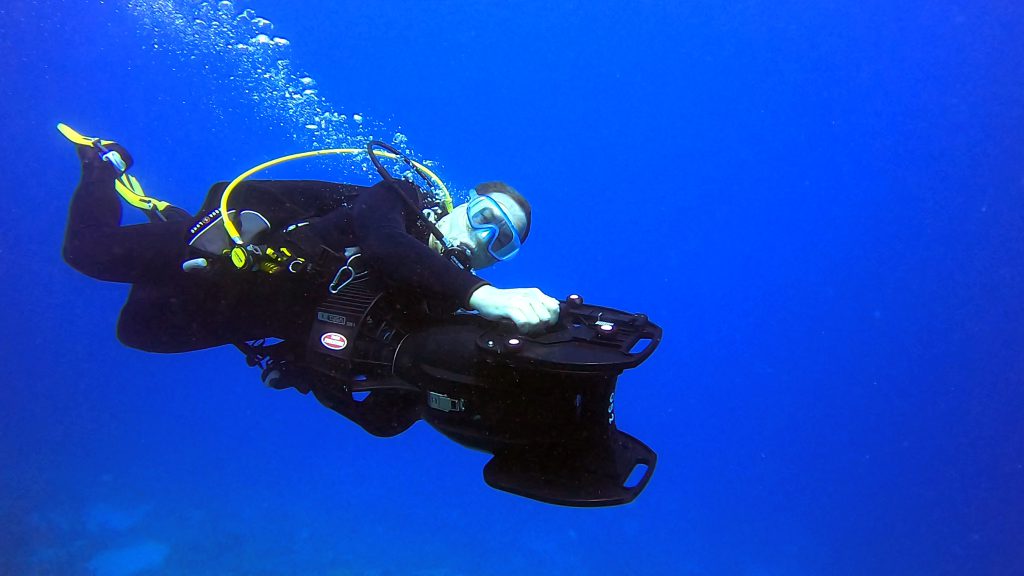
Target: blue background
821,202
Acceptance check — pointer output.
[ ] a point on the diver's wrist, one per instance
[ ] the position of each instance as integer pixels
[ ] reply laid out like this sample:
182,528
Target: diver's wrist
480,296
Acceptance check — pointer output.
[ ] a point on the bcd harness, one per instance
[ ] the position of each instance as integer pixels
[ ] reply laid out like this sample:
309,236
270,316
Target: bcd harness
247,239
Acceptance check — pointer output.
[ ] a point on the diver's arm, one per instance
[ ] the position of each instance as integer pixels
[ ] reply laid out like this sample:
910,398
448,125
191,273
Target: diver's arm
379,221
380,226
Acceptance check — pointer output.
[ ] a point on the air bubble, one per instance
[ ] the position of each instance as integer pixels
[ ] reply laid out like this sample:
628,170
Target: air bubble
238,51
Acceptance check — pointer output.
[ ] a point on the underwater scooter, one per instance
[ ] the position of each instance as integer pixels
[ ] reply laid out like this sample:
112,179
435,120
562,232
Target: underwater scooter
543,405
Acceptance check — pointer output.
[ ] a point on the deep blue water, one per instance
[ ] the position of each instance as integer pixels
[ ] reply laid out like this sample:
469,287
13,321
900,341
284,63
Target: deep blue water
822,203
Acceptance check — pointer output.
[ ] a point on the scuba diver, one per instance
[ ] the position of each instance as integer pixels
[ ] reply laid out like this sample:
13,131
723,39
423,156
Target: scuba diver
367,297
173,309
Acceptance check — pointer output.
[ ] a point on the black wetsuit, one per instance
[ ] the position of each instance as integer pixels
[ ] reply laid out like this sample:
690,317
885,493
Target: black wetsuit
169,310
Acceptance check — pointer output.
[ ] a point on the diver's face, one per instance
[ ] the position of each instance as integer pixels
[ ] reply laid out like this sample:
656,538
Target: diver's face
456,228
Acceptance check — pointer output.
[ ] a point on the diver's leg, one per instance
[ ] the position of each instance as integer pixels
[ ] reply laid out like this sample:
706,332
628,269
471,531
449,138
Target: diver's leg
97,245
383,413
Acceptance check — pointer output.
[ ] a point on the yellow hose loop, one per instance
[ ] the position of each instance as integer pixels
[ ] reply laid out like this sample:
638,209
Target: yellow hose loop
234,232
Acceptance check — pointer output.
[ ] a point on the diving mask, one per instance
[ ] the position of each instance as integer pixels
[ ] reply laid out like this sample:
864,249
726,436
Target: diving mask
485,214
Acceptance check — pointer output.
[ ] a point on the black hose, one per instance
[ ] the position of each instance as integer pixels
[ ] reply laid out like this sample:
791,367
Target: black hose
457,257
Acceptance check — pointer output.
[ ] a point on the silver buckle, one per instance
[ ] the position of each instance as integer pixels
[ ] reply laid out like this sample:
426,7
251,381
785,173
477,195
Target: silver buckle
444,403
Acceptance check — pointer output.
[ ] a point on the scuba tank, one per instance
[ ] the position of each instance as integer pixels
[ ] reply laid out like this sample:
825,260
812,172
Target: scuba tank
242,237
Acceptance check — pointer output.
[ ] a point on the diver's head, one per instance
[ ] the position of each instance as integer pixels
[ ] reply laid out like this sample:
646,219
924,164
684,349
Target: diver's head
492,225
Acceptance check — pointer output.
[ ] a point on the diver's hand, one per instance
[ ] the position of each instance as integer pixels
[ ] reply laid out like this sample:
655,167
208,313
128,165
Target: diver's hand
529,308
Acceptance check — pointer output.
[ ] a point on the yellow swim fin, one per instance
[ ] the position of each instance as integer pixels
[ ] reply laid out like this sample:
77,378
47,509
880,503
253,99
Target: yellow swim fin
127,186
76,137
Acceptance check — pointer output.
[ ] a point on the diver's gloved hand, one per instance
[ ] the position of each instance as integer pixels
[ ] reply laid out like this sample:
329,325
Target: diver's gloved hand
529,308
96,162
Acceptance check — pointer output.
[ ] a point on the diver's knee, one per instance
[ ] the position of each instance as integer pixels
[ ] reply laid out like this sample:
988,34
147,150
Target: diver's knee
80,259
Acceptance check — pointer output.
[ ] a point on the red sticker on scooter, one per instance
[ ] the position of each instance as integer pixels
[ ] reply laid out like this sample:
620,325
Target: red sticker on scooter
334,341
